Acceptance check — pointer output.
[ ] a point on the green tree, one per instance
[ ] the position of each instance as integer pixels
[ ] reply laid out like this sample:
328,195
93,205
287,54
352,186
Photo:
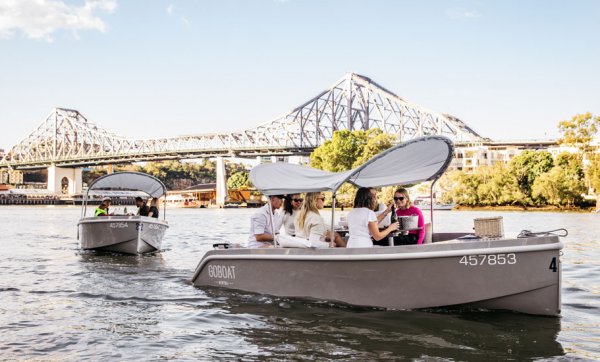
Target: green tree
527,166
339,153
579,131
594,173
239,180
465,192
560,187
377,142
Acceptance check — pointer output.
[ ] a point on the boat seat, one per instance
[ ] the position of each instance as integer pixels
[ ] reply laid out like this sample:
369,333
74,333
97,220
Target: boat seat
428,236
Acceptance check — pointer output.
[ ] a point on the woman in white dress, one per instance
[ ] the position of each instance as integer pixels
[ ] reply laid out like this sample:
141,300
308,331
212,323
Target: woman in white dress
310,224
291,206
362,221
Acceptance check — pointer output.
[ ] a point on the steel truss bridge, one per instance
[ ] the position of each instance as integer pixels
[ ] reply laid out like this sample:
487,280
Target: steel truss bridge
67,139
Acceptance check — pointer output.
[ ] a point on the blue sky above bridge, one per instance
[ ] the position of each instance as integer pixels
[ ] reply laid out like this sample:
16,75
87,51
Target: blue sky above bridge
149,69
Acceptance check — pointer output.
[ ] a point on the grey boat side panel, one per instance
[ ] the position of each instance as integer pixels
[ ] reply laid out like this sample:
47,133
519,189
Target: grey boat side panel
532,302
399,284
123,234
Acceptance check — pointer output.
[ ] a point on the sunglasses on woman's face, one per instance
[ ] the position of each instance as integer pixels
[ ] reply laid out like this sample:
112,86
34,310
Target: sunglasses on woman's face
297,200
401,198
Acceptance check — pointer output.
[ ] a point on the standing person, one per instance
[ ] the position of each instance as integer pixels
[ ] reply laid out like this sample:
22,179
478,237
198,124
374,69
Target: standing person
153,210
102,209
291,206
261,233
310,224
405,208
143,208
362,221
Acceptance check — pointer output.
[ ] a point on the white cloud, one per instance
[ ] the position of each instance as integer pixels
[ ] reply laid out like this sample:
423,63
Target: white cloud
39,19
186,22
170,9
462,14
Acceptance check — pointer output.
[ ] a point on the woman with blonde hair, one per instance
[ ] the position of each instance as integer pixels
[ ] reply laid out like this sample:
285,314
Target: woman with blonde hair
309,223
404,207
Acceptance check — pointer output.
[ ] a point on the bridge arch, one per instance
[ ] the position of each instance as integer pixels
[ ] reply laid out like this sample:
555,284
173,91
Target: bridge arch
62,180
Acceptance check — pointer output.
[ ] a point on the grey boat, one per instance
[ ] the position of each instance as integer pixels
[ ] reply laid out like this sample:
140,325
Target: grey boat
123,233
518,274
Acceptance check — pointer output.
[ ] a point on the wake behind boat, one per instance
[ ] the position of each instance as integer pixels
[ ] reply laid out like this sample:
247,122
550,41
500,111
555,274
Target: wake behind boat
518,274
123,233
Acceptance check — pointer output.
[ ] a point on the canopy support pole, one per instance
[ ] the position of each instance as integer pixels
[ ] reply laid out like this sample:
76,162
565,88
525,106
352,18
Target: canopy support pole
332,232
275,243
431,206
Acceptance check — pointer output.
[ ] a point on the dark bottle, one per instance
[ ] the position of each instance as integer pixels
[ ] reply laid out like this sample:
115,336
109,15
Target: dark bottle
393,217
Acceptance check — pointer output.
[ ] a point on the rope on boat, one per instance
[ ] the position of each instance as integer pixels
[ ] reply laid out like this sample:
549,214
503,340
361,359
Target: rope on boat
529,233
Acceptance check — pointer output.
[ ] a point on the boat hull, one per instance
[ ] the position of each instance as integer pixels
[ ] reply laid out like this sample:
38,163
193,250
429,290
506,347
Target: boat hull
123,234
518,274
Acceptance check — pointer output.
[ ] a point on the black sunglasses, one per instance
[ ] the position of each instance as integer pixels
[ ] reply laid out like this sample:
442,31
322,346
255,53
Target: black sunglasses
399,198
297,200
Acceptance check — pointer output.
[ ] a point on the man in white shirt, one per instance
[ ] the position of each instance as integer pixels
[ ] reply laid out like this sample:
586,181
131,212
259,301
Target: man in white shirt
261,233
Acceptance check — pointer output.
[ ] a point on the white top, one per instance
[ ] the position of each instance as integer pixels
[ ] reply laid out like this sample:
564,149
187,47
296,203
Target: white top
288,222
358,227
260,223
314,227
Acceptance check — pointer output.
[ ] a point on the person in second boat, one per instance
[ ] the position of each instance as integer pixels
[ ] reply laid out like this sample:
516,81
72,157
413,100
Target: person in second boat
309,223
102,209
261,234
405,208
143,209
153,210
362,221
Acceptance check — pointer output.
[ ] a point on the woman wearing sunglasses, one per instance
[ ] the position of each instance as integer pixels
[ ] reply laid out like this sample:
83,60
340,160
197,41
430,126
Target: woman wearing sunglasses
405,208
310,224
291,206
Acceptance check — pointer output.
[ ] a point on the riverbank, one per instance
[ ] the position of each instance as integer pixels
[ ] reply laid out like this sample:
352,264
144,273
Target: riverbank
523,208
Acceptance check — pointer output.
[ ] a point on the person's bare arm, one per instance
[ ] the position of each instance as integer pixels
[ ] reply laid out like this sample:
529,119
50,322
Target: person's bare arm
378,235
384,213
264,237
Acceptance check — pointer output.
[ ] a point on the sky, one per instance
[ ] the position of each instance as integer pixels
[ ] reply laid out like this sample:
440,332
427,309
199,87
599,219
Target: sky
152,69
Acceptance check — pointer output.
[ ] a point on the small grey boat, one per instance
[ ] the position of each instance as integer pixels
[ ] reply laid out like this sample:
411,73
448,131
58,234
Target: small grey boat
123,233
518,274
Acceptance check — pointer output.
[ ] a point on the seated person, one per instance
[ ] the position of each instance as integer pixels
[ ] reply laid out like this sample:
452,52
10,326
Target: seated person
310,224
261,232
291,206
143,208
153,210
405,208
102,209
362,222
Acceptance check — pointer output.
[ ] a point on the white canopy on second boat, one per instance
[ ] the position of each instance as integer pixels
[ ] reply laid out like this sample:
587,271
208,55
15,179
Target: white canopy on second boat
131,181
420,159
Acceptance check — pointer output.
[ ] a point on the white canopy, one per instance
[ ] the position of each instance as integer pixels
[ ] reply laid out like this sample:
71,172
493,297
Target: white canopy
130,181
417,160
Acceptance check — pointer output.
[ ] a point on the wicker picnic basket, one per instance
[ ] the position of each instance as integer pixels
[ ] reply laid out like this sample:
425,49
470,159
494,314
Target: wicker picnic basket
489,227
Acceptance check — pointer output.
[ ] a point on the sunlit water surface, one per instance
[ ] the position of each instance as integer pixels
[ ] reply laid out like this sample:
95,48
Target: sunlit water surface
57,302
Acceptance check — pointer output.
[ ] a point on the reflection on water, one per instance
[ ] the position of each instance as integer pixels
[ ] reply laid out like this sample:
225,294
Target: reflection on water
59,302
322,330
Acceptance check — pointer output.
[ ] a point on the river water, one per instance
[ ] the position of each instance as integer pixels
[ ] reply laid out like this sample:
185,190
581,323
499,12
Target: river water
57,302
